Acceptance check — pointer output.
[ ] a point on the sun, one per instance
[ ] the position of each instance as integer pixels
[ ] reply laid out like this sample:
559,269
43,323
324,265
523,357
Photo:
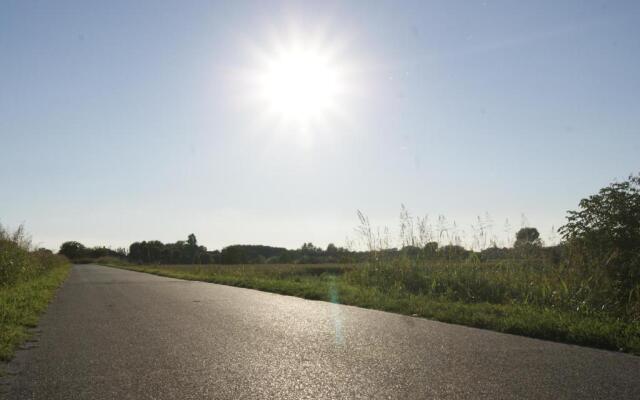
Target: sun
298,81
300,84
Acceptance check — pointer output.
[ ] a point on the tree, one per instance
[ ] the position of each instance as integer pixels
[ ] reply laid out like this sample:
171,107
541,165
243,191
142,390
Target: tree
72,250
606,229
147,252
191,240
191,251
453,252
430,248
527,237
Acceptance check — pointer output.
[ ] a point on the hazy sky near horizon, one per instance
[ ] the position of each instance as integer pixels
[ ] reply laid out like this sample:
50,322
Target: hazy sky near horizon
124,121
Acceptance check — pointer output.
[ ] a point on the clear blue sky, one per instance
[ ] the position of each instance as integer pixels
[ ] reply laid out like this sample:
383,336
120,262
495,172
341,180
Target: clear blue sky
124,121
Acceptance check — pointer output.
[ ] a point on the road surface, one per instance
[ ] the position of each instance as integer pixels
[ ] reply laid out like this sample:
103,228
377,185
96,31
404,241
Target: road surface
115,334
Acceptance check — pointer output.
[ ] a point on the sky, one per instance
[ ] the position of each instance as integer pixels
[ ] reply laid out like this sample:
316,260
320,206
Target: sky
123,121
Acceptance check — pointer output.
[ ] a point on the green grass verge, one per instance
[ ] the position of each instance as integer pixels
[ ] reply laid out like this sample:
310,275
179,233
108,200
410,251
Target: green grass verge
21,305
595,330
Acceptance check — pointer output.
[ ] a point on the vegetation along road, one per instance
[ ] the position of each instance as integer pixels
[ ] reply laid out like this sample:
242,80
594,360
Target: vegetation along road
112,333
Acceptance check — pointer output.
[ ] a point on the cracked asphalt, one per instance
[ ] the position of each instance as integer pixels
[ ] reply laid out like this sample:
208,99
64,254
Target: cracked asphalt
116,334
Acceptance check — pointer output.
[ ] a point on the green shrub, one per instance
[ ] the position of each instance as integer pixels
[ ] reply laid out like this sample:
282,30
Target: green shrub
605,231
18,263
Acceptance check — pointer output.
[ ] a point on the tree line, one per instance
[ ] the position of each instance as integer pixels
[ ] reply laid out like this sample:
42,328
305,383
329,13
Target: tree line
602,234
189,252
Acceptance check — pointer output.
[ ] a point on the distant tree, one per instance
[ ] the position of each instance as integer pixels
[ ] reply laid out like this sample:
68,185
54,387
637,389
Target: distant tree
431,247
147,252
332,249
214,256
72,250
453,252
309,248
527,237
494,253
100,251
430,250
192,255
191,240
410,250
188,252
232,255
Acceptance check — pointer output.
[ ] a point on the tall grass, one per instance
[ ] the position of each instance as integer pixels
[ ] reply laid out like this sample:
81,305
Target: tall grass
500,282
19,261
28,279
524,277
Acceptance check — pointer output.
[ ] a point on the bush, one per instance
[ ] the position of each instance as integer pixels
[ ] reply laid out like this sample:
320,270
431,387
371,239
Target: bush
605,232
18,263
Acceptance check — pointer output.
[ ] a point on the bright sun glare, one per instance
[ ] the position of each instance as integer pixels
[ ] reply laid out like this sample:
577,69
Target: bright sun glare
300,85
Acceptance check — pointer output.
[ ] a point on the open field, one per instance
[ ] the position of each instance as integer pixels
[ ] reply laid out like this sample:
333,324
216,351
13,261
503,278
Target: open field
549,303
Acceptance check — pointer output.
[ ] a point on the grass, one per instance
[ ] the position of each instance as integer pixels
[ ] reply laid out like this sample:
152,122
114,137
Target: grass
21,305
547,303
28,280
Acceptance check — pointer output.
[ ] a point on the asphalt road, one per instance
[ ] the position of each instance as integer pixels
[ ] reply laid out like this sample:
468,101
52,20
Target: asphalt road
114,334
